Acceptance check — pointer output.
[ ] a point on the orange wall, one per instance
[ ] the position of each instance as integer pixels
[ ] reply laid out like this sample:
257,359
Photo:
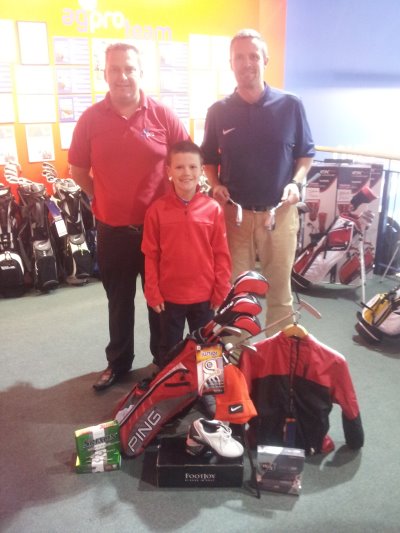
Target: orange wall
183,17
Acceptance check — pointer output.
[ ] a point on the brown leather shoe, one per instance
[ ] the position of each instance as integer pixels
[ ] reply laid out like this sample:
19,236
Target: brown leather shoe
106,379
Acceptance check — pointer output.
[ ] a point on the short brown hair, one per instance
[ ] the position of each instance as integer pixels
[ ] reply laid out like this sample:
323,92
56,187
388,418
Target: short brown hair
123,47
184,147
249,33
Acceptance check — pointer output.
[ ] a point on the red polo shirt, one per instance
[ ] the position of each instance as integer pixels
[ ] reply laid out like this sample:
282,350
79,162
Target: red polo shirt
127,157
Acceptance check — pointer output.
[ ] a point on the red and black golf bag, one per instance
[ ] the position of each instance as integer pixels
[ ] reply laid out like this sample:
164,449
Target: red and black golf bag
152,403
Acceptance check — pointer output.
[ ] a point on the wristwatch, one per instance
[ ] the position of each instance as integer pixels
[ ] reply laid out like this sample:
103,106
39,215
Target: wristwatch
299,185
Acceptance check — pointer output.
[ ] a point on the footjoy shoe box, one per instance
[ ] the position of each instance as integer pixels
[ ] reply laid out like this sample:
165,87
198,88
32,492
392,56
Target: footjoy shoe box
177,468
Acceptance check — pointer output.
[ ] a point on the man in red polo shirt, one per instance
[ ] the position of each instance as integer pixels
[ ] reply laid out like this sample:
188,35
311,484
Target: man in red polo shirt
117,156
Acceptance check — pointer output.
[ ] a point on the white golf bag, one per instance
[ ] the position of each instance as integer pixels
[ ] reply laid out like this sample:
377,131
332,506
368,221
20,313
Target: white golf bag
380,317
341,253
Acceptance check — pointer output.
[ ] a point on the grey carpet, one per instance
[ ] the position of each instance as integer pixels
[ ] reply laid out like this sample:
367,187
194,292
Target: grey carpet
52,347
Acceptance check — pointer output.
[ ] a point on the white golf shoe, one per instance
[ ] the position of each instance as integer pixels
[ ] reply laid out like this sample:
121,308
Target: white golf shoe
212,434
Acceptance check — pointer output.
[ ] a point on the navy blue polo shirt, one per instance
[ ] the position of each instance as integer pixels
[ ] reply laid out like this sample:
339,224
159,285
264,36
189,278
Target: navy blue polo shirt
256,145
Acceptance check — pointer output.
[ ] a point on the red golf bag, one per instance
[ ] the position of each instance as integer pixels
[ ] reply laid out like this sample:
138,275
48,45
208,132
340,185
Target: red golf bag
150,404
318,258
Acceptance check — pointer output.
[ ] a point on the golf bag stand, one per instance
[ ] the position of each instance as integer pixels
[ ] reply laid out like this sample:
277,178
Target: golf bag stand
12,270
76,257
35,211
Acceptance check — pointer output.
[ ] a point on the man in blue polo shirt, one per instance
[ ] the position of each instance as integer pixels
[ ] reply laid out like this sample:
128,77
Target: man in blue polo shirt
257,151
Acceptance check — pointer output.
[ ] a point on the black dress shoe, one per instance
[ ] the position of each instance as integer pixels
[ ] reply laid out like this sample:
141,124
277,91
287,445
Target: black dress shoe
107,378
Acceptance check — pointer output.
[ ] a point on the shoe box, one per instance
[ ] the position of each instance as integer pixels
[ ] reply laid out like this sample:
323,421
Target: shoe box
279,469
177,468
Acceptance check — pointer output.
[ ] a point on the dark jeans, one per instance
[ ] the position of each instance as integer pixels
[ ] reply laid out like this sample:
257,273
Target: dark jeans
121,261
173,323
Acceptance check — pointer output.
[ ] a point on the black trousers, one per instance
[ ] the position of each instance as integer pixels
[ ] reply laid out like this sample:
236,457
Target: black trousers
121,261
173,321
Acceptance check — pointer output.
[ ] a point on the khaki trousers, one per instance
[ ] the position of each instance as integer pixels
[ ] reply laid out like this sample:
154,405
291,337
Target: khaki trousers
275,249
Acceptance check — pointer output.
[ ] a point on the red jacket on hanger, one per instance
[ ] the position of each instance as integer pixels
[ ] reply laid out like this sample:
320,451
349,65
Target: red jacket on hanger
299,379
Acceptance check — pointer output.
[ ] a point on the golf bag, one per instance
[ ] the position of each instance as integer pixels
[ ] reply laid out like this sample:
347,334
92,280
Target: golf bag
37,235
149,405
75,257
380,317
152,403
12,282
337,249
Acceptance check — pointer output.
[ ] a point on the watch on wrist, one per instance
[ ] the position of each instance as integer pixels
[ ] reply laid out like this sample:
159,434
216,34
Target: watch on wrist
299,185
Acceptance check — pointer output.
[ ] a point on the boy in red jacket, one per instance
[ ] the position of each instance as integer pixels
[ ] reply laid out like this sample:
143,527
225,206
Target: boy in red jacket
187,260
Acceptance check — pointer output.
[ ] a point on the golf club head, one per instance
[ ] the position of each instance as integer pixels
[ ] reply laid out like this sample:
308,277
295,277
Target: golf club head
230,331
248,347
12,172
234,351
251,282
249,324
213,331
240,303
309,308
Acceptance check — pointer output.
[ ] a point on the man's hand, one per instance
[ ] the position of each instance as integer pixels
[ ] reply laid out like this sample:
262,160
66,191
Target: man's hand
221,194
291,194
159,308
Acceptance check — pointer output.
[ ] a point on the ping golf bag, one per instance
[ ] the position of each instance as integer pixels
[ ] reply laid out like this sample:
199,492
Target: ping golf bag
152,403
75,257
37,236
338,248
149,405
380,317
12,282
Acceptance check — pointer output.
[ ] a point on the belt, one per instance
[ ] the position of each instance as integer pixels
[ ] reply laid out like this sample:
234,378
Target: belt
257,208
136,229
130,227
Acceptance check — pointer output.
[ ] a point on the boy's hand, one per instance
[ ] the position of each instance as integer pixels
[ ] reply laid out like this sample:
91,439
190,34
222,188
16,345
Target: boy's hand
159,308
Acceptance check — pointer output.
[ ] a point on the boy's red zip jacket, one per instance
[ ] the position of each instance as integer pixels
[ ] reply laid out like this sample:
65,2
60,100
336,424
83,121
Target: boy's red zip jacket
291,378
187,255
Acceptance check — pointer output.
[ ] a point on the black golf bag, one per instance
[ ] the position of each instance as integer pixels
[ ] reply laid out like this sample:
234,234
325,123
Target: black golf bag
335,255
75,257
380,317
36,234
12,270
